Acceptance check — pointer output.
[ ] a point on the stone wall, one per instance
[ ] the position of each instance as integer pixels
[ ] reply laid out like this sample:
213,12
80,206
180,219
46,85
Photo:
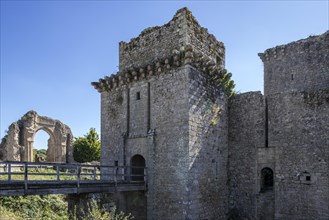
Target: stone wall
133,203
153,43
10,149
83,206
298,130
163,103
178,124
207,177
246,136
169,118
157,43
298,66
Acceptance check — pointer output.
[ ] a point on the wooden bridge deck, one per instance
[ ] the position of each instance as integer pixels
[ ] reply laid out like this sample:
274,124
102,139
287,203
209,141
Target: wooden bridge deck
26,178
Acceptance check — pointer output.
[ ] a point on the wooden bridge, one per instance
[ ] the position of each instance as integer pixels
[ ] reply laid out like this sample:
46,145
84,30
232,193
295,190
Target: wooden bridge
28,178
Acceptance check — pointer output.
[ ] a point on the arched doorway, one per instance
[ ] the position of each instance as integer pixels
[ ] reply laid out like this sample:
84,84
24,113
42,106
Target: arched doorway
137,168
266,179
40,146
43,146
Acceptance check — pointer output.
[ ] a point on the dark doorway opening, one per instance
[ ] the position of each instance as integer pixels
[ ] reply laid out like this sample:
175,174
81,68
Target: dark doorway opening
266,179
137,168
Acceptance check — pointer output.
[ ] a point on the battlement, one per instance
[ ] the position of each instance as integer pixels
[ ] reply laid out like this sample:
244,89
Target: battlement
158,42
302,65
159,49
317,43
183,56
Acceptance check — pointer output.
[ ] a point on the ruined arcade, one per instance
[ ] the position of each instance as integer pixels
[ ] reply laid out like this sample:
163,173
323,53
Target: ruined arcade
208,155
17,145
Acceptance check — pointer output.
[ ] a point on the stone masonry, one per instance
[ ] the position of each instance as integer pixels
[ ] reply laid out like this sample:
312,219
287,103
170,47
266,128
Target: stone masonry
17,145
208,156
285,130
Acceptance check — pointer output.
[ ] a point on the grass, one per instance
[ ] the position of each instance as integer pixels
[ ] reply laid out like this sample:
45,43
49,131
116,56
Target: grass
6,214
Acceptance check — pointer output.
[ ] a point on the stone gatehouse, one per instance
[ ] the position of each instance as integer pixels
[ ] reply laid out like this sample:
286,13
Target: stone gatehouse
208,156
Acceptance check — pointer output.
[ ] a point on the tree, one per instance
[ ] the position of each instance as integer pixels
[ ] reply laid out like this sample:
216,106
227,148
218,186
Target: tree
40,155
87,148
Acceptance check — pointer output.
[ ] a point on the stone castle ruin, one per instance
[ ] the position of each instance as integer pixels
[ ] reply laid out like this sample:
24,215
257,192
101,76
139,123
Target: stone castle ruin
209,155
251,156
17,145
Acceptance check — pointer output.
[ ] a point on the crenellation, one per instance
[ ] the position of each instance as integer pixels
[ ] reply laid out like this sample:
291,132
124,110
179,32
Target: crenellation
301,46
185,55
298,66
275,53
158,42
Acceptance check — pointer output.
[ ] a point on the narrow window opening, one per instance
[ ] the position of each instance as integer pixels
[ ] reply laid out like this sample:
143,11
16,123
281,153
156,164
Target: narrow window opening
138,96
116,163
292,76
218,60
305,178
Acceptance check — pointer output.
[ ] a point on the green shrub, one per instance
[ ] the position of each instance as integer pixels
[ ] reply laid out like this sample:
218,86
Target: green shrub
87,148
96,213
34,207
50,207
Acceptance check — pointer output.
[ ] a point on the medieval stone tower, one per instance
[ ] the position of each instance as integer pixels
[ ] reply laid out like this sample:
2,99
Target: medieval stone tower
163,108
208,156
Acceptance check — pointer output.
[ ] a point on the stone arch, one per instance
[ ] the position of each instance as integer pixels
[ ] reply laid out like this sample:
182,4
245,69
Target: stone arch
137,163
17,145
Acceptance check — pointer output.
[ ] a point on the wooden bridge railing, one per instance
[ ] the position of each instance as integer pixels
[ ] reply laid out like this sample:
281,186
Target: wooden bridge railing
13,174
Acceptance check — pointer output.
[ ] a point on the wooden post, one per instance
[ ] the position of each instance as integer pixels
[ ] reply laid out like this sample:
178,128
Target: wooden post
9,171
128,174
145,178
115,177
115,171
57,172
94,173
78,175
25,176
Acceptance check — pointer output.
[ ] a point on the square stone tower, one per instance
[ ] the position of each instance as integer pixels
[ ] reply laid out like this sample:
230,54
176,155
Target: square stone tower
302,65
296,94
166,108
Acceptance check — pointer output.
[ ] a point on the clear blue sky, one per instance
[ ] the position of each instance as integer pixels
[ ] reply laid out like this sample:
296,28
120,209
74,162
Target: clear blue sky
52,50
